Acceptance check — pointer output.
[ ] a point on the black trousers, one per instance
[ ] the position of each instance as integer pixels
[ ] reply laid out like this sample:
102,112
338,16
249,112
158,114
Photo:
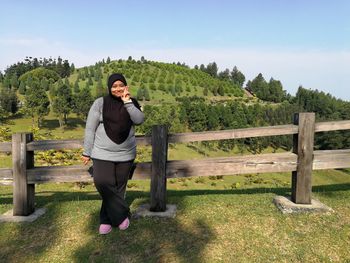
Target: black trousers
110,180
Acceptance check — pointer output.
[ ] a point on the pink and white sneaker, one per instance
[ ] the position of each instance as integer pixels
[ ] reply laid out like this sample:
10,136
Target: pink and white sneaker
125,224
105,229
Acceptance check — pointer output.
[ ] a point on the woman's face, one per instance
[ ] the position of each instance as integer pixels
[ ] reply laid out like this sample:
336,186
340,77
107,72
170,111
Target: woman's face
118,88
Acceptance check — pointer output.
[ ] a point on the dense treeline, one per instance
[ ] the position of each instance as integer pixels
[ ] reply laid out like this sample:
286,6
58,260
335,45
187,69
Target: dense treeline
193,114
268,91
327,108
48,85
60,66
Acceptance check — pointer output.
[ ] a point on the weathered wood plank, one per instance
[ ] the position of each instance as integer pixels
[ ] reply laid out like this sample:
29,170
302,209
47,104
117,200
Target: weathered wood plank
331,159
233,134
76,173
332,126
143,140
303,144
262,163
6,177
190,137
5,173
5,146
44,145
23,193
159,167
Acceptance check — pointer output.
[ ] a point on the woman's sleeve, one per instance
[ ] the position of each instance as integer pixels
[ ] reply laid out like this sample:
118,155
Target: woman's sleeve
134,109
92,122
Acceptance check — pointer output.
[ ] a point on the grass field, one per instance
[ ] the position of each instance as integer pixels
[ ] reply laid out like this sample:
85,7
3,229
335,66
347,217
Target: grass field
231,219
219,219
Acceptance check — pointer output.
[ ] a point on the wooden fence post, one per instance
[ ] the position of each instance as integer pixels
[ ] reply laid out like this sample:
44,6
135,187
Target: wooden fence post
159,162
23,193
303,144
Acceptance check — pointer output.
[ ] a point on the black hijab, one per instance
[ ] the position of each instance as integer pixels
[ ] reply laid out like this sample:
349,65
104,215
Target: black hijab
116,119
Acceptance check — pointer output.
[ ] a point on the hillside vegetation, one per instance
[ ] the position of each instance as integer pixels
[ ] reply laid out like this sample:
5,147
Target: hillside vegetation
56,96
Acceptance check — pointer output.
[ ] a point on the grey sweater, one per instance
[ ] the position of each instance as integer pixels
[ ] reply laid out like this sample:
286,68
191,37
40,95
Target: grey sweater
98,145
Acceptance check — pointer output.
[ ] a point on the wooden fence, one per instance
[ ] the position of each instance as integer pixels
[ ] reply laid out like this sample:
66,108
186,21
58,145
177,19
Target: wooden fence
301,161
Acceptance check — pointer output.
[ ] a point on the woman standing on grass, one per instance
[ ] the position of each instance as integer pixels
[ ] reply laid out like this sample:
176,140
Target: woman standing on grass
110,142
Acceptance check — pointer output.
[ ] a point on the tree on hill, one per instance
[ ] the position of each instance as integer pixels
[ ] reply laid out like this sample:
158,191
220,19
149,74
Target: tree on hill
22,87
36,103
100,90
44,83
212,69
140,94
6,82
14,82
82,102
72,68
76,86
221,90
86,72
66,82
237,77
8,100
205,91
108,60
60,66
90,81
224,75
260,87
277,94
92,72
38,74
146,94
63,103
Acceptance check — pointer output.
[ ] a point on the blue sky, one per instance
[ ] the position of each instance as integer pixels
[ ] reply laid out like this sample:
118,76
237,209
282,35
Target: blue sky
298,42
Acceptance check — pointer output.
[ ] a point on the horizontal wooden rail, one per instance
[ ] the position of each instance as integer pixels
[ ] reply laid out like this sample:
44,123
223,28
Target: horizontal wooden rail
262,163
245,164
72,144
233,134
332,126
76,173
301,161
331,159
6,176
191,137
5,147
44,145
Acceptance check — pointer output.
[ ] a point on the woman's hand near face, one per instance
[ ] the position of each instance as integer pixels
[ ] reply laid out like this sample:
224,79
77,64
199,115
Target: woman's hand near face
126,94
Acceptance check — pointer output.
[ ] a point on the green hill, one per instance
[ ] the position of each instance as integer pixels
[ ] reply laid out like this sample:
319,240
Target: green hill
163,81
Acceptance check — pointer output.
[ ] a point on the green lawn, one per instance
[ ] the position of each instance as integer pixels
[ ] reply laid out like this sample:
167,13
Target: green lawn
231,219
73,130
228,219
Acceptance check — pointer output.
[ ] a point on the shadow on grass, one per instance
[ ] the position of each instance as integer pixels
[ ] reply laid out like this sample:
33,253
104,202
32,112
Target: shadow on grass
72,123
23,242
146,240
50,124
45,197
